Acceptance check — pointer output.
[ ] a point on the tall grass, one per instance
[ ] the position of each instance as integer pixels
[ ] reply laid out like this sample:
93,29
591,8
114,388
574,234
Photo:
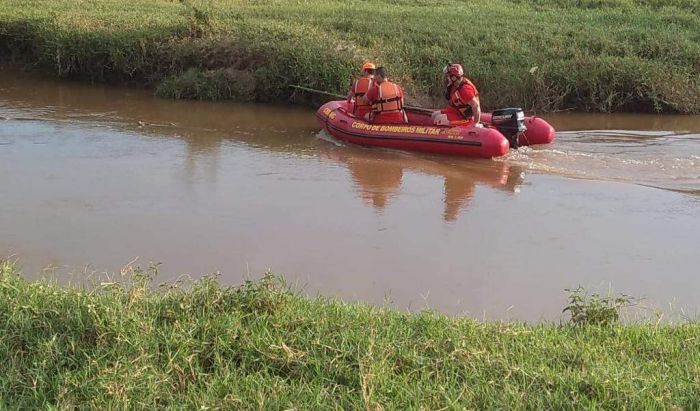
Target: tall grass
128,345
601,55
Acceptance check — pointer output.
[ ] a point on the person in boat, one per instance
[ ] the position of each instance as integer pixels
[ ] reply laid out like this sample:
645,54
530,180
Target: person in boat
358,90
463,106
386,99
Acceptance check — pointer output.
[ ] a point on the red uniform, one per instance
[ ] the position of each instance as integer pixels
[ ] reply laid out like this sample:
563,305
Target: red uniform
460,94
387,103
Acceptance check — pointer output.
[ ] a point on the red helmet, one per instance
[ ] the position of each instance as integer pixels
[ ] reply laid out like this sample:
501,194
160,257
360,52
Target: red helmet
454,70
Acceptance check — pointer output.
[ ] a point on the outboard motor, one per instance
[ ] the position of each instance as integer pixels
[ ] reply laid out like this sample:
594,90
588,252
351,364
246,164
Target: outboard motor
510,122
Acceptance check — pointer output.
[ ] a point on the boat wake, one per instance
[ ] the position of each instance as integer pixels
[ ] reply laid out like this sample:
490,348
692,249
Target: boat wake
657,159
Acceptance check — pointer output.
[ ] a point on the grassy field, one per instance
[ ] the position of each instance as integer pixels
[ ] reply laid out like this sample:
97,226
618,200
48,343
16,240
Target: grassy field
130,345
599,55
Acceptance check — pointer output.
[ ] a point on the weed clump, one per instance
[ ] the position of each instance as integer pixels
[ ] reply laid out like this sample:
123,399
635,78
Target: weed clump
199,18
595,310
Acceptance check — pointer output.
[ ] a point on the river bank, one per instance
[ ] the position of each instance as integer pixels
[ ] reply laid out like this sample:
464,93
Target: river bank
121,344
635,55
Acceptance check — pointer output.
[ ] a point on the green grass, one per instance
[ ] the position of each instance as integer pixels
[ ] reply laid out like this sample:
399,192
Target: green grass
129,345
600,55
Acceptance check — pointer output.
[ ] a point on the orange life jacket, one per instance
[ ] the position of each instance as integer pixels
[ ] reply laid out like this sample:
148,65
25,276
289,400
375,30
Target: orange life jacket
456,100
389,98
361,85
359,89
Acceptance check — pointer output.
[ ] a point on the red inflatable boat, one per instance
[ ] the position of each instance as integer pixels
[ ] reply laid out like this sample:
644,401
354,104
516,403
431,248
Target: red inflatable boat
503,128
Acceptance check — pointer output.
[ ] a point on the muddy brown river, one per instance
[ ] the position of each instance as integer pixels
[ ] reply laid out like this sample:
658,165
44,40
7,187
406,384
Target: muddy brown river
94,177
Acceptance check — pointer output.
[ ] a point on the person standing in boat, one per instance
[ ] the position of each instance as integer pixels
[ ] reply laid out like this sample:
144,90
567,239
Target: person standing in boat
358,91
463,107
386,99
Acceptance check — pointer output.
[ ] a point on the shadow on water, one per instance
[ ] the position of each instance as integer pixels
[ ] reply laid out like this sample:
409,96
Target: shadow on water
377,175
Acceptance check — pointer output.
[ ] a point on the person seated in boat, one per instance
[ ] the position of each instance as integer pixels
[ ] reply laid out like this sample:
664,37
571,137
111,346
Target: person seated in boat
463,106
358,90
386,99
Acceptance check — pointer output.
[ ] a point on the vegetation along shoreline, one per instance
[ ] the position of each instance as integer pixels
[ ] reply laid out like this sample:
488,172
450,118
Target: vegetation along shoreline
545,55
130,344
